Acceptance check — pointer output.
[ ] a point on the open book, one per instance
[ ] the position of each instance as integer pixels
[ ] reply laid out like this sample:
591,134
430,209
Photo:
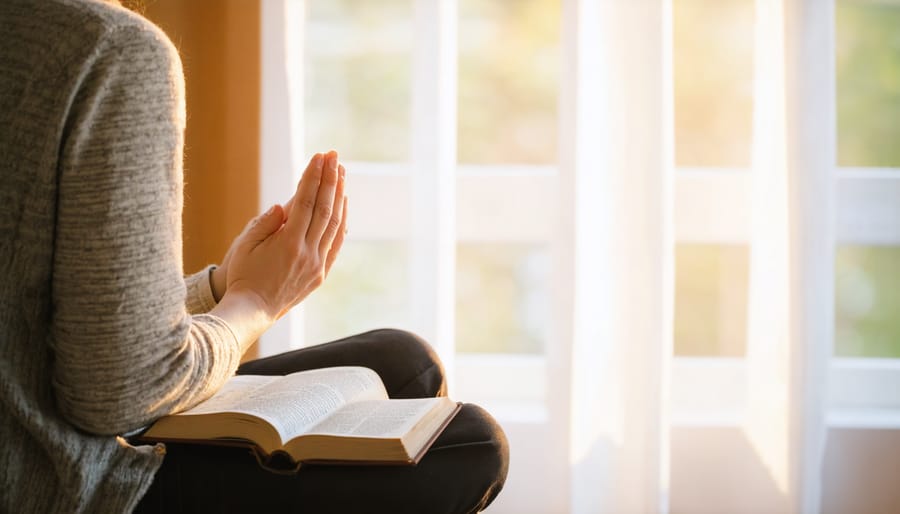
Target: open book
340,414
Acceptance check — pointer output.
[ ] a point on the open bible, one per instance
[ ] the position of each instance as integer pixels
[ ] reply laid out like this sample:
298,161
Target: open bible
339,414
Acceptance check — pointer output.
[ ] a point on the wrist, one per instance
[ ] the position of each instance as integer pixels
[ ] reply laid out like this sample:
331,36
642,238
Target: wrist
246,313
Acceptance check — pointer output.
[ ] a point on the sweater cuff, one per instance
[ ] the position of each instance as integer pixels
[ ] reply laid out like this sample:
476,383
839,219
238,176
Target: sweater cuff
200,297
227,351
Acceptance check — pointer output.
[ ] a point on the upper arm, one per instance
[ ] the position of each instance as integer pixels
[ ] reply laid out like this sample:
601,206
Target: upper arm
126,350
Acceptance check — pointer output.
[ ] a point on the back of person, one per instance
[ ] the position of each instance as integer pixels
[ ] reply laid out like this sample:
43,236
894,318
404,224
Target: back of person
46,464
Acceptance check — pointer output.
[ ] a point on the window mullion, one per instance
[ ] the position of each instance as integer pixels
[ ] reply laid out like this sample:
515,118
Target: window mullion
281,132
433,186
811,136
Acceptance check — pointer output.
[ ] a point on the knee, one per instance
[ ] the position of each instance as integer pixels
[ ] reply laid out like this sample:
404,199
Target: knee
418,357
495,462
485,457
411,347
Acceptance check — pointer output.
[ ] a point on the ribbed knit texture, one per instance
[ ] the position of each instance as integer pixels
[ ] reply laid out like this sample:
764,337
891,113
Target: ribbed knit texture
97,335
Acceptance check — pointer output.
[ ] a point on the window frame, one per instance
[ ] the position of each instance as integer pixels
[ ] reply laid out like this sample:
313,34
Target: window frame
862,391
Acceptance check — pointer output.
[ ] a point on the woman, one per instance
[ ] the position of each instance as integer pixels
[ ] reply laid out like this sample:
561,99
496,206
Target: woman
101,334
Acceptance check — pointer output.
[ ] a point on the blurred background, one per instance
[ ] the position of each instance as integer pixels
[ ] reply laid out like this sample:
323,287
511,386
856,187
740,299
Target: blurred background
356,94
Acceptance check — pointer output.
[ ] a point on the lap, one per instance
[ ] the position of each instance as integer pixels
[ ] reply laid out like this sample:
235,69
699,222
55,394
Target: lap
462,472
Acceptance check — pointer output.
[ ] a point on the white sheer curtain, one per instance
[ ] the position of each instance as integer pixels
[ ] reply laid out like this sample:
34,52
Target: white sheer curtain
790,305
619,186
609,361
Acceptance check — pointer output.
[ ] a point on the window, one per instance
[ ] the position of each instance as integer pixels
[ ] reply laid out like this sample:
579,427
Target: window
713,88
449,116
508,82
867,256
358,80
713,82
713,68
867,261
364,74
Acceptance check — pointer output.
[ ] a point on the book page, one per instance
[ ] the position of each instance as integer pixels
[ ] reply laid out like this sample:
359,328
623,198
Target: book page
295,402
235,390
378,419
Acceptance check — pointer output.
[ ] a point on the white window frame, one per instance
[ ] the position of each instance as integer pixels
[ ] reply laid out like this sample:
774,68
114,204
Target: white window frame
863,392
705,391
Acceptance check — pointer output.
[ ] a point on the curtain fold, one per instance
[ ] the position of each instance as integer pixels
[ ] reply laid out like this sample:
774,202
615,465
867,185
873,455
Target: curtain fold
619,183
619,186
791,271
768,343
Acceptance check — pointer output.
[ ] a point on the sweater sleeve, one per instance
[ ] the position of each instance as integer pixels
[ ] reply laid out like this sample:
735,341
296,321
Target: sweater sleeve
200,297
126,349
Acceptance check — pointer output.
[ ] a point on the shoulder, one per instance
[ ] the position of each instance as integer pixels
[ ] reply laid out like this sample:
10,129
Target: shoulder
119,79
80,32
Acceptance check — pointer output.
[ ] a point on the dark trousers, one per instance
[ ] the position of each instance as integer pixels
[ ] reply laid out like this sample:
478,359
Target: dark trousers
462,472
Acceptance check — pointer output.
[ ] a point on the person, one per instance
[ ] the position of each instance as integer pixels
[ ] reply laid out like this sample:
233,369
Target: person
100,333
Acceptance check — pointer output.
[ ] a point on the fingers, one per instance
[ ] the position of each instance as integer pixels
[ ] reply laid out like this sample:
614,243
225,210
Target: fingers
324,209
300,208
337,208
286,253
338,238
264,225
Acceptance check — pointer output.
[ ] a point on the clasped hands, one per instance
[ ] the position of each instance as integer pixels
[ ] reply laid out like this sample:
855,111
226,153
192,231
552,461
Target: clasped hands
285,254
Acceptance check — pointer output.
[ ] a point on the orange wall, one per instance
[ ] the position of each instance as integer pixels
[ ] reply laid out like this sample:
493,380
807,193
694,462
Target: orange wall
219,46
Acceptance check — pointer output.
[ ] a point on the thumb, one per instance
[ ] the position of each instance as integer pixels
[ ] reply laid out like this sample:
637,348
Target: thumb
265,224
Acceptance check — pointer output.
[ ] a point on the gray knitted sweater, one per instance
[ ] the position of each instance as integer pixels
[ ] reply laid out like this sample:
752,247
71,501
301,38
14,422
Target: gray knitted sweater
99,331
